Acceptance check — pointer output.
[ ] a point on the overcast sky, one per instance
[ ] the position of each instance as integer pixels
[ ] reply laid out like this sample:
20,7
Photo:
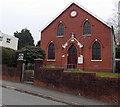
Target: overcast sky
35,14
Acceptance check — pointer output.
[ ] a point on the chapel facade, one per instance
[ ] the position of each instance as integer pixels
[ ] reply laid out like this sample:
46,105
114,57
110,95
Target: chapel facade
78,39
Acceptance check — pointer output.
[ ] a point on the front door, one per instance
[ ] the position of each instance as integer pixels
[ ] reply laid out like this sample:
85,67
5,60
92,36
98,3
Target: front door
72,57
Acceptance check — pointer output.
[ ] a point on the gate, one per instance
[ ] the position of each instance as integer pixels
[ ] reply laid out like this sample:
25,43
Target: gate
28,73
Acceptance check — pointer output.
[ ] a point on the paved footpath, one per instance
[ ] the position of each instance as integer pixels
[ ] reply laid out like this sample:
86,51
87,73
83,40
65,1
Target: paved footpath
52,94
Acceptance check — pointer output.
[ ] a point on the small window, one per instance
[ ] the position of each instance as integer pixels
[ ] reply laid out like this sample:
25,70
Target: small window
51,52
1,38
86,28
8,40
60,30
96,51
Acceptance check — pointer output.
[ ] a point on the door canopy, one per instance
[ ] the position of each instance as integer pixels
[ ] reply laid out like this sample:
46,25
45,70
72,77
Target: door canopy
72,39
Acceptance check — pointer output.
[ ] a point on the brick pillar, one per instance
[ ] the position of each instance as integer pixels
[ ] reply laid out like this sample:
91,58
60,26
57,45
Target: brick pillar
38,64
20,70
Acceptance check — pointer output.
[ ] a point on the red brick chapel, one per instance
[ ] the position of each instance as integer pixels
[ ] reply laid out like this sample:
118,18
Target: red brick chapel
78,39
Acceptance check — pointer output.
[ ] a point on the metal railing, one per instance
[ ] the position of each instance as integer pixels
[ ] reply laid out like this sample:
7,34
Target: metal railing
63,66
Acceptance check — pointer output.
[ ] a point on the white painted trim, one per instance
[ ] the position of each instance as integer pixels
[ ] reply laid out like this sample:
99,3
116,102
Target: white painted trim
96,60
92,14
80,7
60,36
87,35
51,60
72,39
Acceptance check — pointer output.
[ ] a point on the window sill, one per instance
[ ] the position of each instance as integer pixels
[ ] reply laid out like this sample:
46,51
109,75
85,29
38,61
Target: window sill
87,35
96,60
60,36
51,60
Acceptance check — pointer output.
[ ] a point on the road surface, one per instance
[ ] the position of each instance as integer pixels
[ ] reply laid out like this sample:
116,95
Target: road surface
12,97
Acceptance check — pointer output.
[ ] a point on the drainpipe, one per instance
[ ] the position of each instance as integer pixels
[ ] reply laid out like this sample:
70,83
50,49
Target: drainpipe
113,50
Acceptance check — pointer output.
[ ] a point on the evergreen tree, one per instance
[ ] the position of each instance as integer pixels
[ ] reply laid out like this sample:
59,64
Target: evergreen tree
25,38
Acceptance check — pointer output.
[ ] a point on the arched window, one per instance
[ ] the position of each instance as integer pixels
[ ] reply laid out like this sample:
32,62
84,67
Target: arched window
60,30
51,51
86,28
96,51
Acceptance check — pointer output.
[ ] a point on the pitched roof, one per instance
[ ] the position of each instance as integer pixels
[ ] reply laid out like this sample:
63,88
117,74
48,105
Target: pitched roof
6,35
80,6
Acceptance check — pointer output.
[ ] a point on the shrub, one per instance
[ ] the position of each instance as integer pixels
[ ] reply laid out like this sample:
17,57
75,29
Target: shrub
8,56
31,53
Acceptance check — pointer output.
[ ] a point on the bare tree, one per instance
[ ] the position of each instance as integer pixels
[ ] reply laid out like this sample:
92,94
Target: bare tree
119,22
115,20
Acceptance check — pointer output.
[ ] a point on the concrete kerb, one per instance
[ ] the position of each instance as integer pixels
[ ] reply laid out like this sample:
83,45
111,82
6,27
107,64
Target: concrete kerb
43,96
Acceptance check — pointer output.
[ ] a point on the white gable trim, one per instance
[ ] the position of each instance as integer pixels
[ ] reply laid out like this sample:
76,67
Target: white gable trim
93,15
80,6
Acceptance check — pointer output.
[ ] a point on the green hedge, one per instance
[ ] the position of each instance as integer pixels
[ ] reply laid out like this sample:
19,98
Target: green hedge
8,56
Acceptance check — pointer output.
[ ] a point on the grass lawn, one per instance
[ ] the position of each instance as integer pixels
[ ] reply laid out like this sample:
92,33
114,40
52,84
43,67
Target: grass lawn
101,74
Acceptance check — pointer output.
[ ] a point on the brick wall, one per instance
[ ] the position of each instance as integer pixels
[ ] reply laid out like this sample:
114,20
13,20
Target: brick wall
10,73
106,89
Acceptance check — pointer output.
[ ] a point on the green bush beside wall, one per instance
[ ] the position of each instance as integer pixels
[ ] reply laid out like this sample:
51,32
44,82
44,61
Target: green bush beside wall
8,56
